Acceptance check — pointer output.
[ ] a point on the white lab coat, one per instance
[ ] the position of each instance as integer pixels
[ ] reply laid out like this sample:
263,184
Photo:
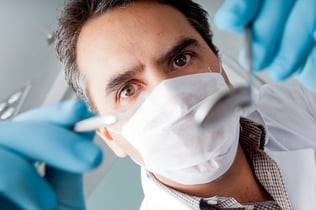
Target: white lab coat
288,112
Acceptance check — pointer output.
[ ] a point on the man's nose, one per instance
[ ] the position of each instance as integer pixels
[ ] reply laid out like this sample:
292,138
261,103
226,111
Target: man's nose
155,76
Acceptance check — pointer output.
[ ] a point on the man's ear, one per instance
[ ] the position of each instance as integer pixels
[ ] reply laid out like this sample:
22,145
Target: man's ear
107,138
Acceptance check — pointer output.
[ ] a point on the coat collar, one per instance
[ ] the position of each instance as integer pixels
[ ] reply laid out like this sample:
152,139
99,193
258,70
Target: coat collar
298,169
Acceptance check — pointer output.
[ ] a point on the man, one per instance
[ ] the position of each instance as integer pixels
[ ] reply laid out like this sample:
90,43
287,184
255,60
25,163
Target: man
116,52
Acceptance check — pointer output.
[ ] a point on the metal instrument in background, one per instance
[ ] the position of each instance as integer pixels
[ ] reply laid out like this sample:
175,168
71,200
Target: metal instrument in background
11,105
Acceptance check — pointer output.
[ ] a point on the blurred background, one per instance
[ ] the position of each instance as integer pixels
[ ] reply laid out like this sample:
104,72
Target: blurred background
31,76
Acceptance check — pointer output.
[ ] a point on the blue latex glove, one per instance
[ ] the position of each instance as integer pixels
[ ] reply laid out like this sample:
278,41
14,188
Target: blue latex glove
45,135
284,35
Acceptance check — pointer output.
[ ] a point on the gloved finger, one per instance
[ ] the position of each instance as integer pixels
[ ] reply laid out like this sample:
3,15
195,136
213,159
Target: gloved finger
65,113
68,188
234,15
297,41
56,146
267,28
308,76
22,185
7,204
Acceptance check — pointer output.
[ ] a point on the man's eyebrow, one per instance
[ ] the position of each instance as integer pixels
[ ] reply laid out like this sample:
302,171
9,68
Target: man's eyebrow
180,46
116,81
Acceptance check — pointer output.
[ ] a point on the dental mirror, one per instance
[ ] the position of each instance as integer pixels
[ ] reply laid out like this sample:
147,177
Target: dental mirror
209,114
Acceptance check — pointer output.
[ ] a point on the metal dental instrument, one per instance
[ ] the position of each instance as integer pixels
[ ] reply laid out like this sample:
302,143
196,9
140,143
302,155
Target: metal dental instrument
96,122
99,122
210,114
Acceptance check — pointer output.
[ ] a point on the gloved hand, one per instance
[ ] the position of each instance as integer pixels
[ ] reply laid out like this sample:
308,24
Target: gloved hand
45,135
284,35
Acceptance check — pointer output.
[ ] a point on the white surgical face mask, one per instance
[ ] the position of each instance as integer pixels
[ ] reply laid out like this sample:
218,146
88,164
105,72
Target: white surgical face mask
171,144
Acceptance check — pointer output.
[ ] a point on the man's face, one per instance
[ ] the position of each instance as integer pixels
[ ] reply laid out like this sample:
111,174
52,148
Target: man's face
127,51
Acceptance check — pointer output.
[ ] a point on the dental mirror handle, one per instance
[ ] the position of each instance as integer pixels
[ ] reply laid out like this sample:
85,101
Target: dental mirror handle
211,115
96,122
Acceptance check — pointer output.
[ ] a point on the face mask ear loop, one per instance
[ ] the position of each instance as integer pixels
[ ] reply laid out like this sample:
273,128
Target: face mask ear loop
220,66
105,133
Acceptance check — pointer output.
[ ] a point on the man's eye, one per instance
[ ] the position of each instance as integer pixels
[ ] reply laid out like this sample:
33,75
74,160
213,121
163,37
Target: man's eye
181,61
128,91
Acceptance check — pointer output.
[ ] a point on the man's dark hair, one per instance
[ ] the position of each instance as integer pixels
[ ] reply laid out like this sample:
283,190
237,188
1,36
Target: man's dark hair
77,12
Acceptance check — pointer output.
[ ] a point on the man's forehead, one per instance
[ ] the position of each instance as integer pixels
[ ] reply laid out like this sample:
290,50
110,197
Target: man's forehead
170,51
148,13
113,34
